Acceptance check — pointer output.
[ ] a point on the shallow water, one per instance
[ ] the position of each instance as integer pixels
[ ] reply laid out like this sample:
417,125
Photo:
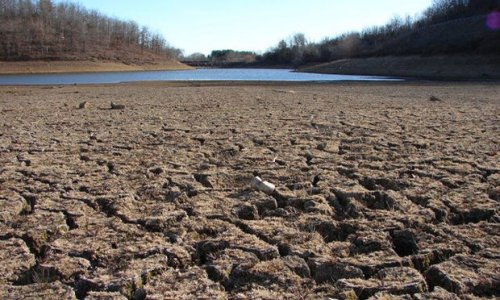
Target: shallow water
187,75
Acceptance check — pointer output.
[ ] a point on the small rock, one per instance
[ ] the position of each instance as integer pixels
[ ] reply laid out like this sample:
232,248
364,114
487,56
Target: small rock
247,212
84,158
434,99
156,170
280,162
321,146
117,106
204,179
84,104
258,142
309,156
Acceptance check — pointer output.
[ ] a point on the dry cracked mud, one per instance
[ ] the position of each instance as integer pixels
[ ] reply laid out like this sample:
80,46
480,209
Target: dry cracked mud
380,192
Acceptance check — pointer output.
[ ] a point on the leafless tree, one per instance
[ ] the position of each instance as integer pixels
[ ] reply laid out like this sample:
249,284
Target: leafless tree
400,36
41,29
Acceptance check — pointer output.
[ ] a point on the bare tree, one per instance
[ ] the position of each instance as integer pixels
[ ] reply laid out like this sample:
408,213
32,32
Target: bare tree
35,29
401,36
196,57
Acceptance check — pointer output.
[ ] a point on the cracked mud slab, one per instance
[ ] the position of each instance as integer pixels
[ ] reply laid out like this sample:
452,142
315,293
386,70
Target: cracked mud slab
380,193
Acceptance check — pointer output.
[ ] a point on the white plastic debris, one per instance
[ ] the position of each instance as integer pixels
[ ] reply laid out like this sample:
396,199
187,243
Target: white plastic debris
255,182
263,186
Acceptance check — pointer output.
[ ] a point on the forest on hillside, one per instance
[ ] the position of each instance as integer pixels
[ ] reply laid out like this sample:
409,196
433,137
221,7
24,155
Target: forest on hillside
447,27
42,29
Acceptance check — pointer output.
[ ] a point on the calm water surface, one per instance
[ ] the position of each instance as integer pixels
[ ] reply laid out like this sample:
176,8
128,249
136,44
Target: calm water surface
189,75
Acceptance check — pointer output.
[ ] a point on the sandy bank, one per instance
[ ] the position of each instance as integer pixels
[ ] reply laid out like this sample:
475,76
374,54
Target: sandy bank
438,67
38,67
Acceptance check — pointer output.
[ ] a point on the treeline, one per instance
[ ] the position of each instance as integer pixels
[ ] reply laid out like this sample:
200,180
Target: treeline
447,27
41,29
223,57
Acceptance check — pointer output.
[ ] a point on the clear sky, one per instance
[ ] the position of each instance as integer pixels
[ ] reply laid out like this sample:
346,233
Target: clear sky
256,25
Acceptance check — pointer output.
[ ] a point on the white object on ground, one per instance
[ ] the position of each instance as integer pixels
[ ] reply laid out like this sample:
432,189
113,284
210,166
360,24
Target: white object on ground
263,186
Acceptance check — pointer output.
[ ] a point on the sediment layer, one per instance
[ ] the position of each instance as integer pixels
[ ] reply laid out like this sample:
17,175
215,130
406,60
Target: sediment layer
380,193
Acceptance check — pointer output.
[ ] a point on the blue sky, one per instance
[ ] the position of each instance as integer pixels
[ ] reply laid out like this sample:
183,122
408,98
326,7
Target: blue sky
256,25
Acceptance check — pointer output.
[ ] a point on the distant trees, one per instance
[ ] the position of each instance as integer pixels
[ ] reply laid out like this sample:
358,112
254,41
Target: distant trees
231,56
41,29
444,10
294,50
428,34
196,57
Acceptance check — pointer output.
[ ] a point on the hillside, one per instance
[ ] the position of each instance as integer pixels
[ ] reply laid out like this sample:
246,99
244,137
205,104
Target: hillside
462,36
436,51
449,67
466,35
40,32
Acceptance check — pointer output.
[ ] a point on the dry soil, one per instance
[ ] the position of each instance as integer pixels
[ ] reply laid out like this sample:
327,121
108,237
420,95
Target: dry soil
380,193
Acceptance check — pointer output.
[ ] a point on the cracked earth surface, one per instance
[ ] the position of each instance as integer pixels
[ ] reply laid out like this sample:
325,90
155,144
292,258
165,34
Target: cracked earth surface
380,193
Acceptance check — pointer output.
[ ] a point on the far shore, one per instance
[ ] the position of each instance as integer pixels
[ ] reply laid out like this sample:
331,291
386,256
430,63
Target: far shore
421,67
54,67
447,68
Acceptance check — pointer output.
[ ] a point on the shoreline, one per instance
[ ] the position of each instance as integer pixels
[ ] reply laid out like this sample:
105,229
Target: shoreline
448,68
256,83
407,68
357,67
61,67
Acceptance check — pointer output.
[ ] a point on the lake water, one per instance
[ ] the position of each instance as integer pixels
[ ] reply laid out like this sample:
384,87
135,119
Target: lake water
187,75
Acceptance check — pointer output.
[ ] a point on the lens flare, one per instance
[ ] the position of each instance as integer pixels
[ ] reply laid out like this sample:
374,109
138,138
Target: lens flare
493,20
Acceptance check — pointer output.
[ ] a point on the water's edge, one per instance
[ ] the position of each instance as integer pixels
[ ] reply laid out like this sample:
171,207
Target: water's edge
271,75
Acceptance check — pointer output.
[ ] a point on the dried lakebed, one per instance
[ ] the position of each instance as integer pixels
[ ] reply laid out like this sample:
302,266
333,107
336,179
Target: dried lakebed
380,192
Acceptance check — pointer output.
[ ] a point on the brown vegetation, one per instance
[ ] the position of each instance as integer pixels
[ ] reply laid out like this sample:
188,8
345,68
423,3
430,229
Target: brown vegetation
42,30
448,27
